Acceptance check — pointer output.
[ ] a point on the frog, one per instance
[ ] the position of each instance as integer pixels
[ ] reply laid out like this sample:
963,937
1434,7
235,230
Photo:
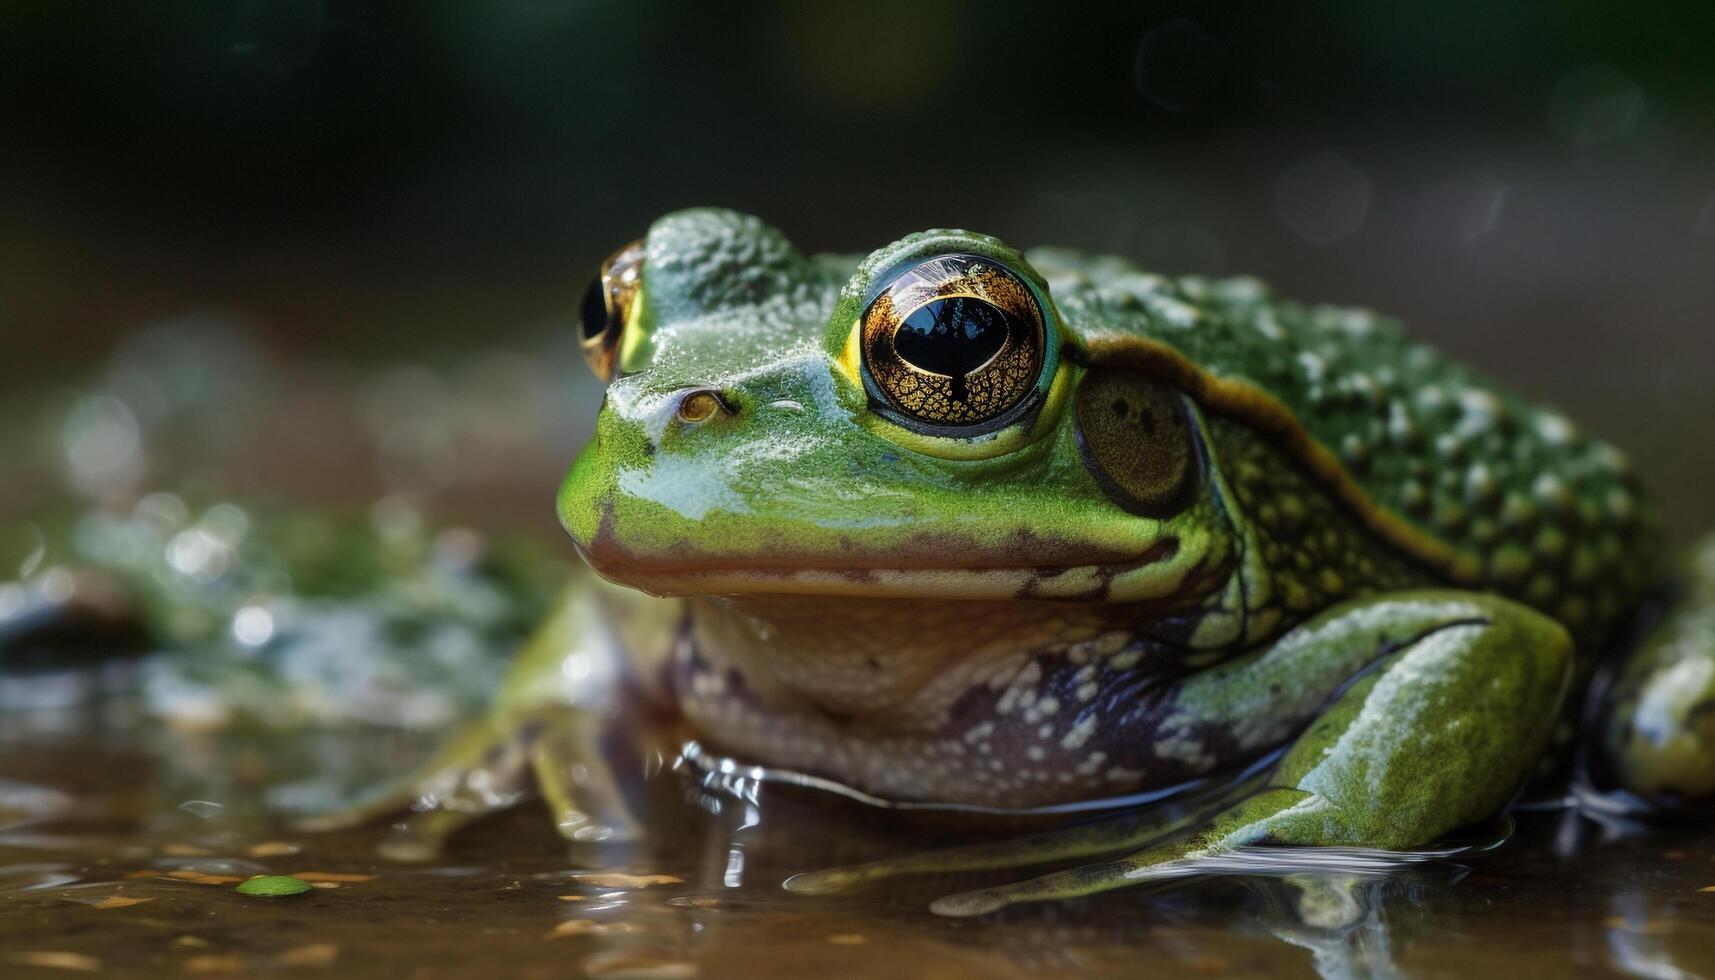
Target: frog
953,525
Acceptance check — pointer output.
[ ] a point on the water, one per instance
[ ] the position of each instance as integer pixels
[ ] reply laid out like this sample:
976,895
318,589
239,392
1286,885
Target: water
121,842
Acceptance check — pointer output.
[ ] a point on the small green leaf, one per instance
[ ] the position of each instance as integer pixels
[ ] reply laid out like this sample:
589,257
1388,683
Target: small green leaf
274,886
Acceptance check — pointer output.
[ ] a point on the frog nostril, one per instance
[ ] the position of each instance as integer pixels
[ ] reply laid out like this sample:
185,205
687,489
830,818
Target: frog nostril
701,405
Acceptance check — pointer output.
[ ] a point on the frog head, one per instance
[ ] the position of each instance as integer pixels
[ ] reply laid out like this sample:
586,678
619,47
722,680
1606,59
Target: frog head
921,423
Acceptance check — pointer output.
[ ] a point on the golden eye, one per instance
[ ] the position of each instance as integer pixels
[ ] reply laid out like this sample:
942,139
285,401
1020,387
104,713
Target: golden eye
700,406
955,340
1138,441
607,303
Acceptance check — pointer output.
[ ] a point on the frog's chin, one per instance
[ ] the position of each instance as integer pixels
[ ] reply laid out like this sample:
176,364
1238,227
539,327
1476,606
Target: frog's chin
1160,572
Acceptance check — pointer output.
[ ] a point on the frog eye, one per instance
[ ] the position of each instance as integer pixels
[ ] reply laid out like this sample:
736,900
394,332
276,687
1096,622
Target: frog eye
1138,440
607,304
954,341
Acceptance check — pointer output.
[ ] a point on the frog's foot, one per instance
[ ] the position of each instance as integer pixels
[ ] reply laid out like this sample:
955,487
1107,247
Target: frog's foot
542,738
1657,728
491,767
1439,733
1084,840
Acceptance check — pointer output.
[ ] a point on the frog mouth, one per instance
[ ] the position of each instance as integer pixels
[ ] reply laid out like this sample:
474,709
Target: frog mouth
1158,572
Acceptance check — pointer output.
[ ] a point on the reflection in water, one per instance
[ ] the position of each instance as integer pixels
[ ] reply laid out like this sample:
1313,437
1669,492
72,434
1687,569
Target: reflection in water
1647,937
1339,919
139,833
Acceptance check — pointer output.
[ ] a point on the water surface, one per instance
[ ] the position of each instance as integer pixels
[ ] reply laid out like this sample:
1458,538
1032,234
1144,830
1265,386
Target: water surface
122,842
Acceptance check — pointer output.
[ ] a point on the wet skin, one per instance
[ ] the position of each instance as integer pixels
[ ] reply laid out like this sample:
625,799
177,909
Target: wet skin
952,524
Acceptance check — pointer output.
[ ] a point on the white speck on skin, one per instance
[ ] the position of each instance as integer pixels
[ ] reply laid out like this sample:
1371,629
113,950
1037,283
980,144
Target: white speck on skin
1268,326
1079,733
978,733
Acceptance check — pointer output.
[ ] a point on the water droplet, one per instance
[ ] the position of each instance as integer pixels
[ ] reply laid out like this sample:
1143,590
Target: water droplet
202,808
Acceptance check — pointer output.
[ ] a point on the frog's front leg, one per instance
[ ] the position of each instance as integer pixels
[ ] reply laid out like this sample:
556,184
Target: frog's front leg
1454,699
599,650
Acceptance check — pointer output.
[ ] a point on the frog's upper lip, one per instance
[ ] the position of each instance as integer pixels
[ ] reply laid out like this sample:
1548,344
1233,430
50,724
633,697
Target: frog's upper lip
948,572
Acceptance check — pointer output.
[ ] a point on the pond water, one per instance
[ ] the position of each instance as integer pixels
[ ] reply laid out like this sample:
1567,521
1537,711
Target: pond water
122,843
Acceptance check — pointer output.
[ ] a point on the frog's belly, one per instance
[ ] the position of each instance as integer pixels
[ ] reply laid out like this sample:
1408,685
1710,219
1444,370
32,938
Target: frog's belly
1022,727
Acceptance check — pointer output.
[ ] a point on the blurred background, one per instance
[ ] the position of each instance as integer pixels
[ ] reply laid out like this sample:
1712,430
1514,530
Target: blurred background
329,249
330,254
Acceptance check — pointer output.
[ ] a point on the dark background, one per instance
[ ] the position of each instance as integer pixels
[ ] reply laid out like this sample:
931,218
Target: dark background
1531,186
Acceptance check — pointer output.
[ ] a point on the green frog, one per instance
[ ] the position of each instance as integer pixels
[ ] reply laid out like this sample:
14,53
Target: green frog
954,525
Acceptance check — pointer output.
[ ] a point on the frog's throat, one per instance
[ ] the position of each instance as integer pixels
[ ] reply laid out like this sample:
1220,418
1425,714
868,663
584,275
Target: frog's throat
1251,405
901,699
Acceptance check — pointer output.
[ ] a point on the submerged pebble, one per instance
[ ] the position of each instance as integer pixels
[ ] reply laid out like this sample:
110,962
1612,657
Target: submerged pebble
58,960
619,879
639,964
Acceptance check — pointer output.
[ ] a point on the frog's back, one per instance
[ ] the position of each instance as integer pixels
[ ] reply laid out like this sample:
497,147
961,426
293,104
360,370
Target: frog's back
1495,491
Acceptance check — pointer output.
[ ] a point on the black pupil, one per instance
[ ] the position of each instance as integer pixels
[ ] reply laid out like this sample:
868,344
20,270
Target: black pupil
952,336
595,310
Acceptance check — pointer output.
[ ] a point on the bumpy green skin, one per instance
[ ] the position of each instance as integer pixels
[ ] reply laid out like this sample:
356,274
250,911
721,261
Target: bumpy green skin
1535,508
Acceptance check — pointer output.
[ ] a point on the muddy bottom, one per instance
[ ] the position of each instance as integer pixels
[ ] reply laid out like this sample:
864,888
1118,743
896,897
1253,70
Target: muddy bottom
122,842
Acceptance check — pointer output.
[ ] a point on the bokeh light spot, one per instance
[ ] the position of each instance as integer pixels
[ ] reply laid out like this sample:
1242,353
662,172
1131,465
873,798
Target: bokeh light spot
1322,198
103,444
253,626
1178,64
1595,104
1462,209
879,56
